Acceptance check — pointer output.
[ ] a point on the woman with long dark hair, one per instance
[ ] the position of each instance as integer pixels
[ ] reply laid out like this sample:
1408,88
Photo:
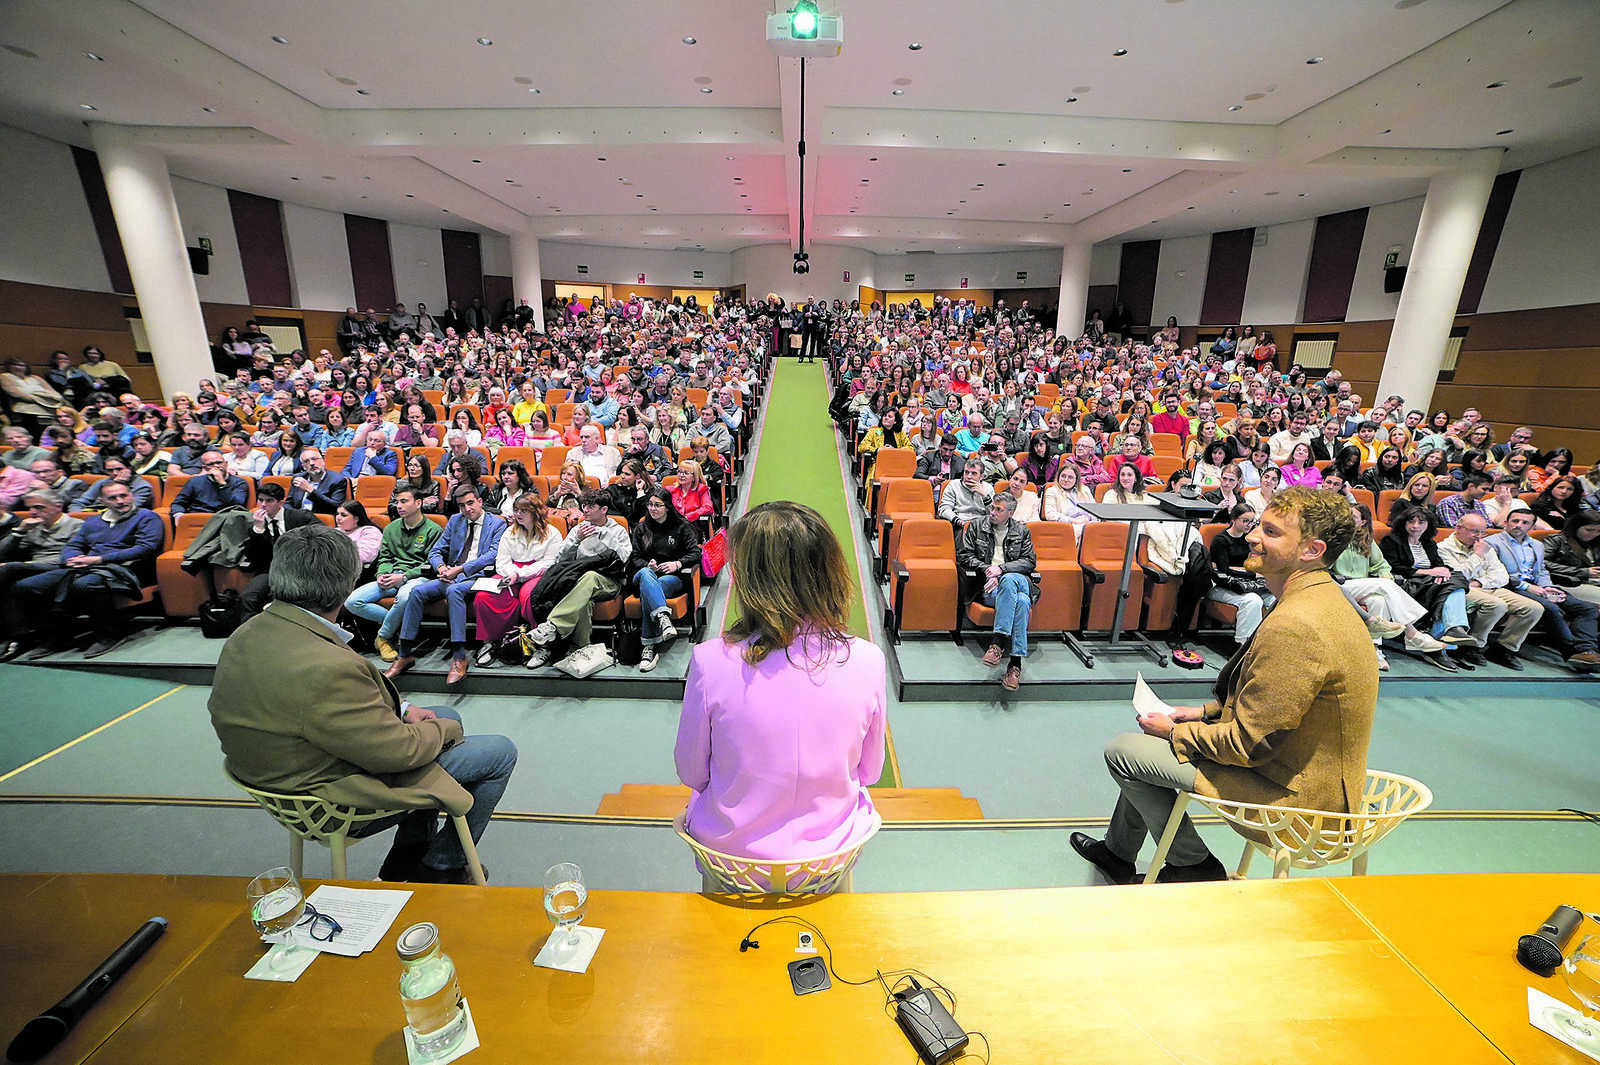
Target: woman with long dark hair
526,550
783,720
666,548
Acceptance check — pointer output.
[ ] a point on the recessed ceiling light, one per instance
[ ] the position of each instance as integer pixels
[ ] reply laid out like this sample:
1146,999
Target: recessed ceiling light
1066,205
638,195
477,160
293,178
409,195
690,40
1495,85
510,180
96,58
949,212
1233,192
979,185
1237,107
1189,208
1304,194
1381,132
1503,132
744,195
486,42
209,110
961,201
915,46
1072,99
534,91
1120,52
1313,61
279,40
1563,83
89,107
999,164
362,92
898,92
729,158
707,90
600,158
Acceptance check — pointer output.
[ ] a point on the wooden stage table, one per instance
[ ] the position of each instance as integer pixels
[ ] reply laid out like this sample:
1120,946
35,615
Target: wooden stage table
1252,971
1460,933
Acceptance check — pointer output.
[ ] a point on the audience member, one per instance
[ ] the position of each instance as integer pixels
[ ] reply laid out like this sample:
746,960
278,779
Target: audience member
589,568
1489,599
997,552
1573,622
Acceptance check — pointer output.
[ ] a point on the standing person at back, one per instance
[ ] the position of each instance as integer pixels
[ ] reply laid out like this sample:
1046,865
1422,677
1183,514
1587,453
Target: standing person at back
784,716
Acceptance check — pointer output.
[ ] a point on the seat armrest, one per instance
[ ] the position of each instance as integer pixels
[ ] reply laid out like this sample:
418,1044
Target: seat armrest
1153,573
1093,573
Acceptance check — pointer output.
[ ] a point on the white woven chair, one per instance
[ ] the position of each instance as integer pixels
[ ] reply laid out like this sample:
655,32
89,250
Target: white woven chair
329,823
824,874
1308,839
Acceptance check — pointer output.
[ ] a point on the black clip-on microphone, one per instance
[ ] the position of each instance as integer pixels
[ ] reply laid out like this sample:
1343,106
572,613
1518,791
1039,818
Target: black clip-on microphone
42,1034
748,944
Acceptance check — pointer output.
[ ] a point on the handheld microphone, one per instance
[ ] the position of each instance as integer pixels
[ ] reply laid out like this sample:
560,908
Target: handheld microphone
1543,950
41,1035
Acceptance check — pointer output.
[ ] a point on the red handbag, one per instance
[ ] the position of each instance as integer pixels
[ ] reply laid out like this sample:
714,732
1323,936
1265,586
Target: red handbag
714,555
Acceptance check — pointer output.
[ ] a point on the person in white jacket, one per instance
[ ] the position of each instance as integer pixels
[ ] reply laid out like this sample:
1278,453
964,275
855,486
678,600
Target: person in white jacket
526,551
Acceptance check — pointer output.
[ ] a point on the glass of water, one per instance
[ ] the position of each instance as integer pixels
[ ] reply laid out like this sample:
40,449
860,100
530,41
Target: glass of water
1582,970
566,900
276,901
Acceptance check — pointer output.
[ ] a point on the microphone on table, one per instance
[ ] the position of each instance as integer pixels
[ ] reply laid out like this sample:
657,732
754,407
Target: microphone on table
1543,950
41,1035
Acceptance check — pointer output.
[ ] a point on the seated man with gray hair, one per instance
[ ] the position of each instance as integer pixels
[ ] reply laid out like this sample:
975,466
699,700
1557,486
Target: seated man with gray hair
1000,551
336,730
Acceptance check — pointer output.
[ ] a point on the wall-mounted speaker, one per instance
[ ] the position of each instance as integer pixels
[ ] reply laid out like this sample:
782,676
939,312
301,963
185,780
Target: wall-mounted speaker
199,261
1394,278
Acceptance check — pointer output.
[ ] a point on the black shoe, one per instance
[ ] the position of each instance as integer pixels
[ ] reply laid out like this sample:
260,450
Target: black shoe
1440,660
12,649
45,650
1504,656
103,645
1210,869
1460,661
1096,853
1469,657
427,874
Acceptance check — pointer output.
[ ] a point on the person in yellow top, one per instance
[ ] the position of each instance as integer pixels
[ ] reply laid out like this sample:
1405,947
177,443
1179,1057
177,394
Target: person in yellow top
528,405
1368,441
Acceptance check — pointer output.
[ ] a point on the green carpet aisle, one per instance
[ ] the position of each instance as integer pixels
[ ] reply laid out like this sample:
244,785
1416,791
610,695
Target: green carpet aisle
798,460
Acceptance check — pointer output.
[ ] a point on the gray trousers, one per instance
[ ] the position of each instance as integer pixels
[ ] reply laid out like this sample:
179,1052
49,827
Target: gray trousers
1150,777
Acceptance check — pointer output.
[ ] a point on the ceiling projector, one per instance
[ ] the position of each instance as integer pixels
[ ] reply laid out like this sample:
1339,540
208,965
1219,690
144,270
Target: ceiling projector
826,44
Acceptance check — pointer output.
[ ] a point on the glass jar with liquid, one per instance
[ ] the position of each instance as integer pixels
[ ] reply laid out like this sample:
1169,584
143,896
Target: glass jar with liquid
429,991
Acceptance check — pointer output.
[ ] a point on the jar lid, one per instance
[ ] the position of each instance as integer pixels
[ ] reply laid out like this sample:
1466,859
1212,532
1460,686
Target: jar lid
417,940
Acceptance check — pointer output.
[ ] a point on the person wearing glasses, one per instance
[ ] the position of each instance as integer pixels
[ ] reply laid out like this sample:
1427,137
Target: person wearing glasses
1235,585
214,490
30,546
340,732
110,554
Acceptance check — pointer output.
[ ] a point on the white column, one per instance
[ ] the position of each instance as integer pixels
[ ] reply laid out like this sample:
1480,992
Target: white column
1446,235
1073,305
526,277
140,190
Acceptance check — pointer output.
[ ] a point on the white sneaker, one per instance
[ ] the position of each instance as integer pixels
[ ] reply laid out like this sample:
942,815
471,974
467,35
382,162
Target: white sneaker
648,660
1384,630
1423,643
545,634
539,658
663,619
1383,663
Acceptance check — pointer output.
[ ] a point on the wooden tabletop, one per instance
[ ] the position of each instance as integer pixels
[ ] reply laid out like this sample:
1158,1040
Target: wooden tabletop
1255,971
1460,933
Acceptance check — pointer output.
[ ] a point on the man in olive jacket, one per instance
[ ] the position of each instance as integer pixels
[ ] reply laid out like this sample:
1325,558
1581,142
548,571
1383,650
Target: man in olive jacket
297,711
1293,711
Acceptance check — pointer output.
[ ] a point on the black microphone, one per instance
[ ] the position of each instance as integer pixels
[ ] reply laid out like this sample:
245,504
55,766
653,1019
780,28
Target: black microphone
41,1035
1543,950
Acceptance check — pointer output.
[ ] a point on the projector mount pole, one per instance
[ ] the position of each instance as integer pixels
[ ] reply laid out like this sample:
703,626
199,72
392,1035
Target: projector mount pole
802,152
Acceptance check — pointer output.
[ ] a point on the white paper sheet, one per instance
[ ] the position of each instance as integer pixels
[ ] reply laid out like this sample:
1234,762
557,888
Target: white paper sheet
1147,702
1542,1013
364,915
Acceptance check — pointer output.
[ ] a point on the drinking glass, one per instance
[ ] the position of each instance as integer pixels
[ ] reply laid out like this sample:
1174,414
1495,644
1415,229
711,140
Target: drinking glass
276,901
566,900
1582,970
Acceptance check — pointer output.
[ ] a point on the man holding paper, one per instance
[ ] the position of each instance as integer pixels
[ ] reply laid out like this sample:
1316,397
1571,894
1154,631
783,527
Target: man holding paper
297,711
1293,711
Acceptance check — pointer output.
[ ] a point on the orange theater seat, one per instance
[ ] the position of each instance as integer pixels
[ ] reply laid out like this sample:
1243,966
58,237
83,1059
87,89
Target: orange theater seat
1105,543
1060,605
926,580
182,592
901,500
1221,613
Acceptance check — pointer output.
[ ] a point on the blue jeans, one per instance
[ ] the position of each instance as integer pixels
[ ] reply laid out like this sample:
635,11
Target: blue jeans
480,764
1452,613
363,603
458,592
1012,600
654,591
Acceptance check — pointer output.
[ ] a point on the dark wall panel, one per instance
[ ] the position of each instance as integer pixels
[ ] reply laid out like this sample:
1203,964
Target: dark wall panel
105,223
1136,285
463,268
371,266
1226,274
1494,221
263,252
1334,251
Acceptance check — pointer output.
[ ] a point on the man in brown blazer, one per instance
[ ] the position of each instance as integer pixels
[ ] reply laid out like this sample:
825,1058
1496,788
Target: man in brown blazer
1293,711
298,711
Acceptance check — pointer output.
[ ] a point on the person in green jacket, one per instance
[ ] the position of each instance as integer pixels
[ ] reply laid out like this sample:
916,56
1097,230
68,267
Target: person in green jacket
402,564
1368,582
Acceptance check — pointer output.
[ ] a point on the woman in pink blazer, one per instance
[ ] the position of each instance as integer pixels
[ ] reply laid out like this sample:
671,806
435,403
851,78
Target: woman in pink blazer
784,716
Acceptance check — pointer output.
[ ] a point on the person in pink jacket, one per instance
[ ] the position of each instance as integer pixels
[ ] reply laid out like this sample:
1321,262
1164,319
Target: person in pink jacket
691,495
784,716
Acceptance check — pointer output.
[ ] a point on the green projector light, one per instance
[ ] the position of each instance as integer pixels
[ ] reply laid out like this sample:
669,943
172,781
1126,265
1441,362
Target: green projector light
803,21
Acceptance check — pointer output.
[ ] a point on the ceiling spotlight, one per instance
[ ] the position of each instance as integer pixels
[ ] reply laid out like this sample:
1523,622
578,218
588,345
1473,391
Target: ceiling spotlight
915,46
707,89
1383,131
729,158
898,92
1313,61
209,110
534,91
92,107
486,42
598,159
1503,132
1237,107
690,40
1072,99
1120,52
364,92
279,40
96,58
1495,85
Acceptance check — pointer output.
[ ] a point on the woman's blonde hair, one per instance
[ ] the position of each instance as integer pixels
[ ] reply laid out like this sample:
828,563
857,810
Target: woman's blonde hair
788,571
691,466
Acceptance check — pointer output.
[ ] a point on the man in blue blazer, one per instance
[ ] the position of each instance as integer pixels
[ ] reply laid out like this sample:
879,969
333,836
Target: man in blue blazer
317,488
1574,622
375,457
464,553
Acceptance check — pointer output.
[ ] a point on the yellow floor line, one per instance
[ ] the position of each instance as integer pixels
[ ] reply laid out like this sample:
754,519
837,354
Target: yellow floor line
86,735
894,759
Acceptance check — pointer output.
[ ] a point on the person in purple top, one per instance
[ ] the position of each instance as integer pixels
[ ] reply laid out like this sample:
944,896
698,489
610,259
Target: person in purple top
784,716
